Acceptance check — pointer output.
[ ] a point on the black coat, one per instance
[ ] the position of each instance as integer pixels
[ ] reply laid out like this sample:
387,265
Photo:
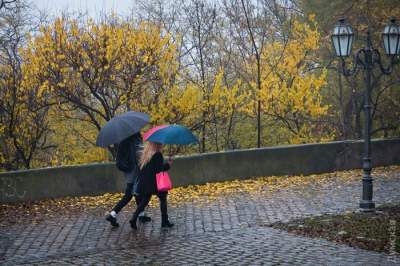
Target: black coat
147,183
127,157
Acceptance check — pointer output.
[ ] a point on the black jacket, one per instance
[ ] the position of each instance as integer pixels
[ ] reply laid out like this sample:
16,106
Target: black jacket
147,183
127,155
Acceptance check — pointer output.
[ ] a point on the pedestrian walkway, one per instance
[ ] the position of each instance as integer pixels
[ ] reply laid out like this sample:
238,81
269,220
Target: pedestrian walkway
231,229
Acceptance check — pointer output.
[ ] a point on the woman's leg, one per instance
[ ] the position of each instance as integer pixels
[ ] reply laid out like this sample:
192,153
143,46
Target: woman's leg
163,207
142,217
145,199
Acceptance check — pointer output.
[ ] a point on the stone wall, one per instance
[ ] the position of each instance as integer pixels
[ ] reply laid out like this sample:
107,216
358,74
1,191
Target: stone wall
95,179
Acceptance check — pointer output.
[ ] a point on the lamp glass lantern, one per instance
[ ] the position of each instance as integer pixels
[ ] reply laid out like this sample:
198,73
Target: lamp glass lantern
342,38
391,38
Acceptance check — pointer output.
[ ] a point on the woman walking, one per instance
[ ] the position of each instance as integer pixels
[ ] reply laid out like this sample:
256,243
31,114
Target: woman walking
151,162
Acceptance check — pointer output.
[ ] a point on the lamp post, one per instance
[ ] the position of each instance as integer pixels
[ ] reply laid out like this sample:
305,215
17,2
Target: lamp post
366,58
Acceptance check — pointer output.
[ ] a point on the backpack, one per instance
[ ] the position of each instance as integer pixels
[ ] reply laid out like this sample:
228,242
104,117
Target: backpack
126,159
122,160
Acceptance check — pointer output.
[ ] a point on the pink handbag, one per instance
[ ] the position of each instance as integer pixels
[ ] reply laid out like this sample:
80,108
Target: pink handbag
163,181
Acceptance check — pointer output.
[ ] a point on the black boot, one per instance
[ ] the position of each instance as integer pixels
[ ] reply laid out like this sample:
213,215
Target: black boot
133,222
144,219
165,222
112,220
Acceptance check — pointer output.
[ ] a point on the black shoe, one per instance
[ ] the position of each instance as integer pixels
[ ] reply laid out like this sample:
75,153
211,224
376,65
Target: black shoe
144,219
112,220
133,224
166,224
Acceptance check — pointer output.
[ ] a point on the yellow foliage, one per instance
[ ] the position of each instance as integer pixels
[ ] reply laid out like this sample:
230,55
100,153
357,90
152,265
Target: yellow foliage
74,141
79,59
177,106
103,69
23,120
222,100
290,93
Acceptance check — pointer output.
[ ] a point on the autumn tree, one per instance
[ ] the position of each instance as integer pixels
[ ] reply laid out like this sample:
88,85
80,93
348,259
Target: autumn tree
23,115
74,140
238,73
345,94
235,40
10,4
198,25
290,91
102,69
275,48
201,20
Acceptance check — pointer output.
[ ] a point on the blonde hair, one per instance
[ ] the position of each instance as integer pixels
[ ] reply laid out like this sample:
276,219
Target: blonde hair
149,149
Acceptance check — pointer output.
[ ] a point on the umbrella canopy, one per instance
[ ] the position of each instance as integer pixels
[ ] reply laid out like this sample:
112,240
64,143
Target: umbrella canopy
121,127
152,130
170,134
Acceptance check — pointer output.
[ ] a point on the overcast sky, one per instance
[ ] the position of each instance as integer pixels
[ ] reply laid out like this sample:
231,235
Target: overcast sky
93,7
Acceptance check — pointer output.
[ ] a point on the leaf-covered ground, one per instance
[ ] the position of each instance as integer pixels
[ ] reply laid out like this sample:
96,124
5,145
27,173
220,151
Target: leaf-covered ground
34,212
379,231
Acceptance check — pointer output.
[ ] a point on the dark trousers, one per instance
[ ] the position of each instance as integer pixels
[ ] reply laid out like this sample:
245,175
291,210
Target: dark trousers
126,198
144,201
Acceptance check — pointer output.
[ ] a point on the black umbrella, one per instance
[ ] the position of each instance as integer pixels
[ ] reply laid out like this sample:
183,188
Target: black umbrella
121,127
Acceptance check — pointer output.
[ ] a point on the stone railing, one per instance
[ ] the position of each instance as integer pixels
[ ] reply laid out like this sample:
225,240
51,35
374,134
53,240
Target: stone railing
95,179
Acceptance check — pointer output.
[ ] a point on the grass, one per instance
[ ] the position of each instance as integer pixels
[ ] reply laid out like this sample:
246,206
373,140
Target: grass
379,231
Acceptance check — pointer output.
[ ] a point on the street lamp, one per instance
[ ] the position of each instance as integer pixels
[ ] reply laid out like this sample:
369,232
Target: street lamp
366,58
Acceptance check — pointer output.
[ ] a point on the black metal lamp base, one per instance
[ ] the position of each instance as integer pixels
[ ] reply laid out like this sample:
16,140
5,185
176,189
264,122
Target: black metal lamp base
367,206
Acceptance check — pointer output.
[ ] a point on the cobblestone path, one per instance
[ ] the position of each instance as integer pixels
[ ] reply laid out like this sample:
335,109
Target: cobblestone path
228,230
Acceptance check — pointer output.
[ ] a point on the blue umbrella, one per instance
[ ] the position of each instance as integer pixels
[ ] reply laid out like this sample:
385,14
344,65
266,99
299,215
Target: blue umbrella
121,127
170,134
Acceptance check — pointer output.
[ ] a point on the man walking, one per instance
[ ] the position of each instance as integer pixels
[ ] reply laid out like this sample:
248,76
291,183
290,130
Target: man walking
127,161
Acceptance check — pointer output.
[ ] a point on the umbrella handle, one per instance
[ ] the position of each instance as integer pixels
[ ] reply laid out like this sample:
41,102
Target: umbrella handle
170,155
